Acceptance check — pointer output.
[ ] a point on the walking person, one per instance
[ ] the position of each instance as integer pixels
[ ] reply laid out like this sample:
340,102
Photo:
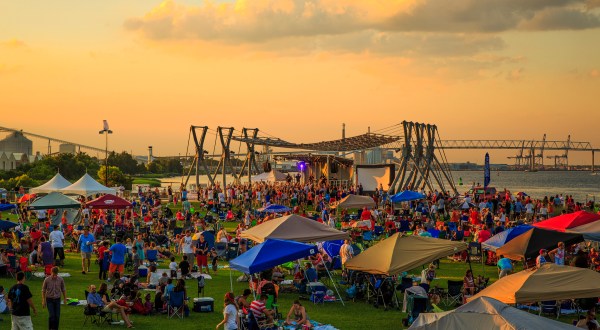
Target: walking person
230,311
57,239
52,289
86,246
19,303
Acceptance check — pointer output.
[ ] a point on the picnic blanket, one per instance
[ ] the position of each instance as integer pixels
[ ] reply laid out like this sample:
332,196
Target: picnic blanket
193,275
315,326
42,275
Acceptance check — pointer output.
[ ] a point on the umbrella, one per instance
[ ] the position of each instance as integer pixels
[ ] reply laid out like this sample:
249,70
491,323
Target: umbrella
498,240
549,282
271,253
467,205
4,207
5,225
274,208
528,244
26,198
406,196
486,313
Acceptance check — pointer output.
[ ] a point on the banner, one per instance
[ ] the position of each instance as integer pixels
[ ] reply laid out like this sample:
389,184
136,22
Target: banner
486,171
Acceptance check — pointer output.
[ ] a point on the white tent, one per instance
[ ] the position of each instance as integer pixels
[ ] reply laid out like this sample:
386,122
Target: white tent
57,183
273,176
87,186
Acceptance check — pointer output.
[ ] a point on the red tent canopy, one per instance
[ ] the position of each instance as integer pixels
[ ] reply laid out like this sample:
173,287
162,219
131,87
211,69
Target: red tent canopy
568,221
108,201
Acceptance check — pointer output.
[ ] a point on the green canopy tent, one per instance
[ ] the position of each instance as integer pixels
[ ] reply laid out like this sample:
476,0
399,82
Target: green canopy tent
61,203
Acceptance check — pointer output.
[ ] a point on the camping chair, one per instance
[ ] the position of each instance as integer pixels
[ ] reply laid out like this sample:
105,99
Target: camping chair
367,237
378,231
585,304
416,306
405,283
11,268
549,307
272,305
256,324
201,284
152,255
455,293
96,315
107,232
475,251
176,304
221,249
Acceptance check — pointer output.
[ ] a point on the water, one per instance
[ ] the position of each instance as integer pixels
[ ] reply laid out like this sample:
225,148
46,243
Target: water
582,185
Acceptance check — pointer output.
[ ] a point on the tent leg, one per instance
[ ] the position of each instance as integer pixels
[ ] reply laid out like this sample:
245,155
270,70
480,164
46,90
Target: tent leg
333,282
469,261
230,279
253,291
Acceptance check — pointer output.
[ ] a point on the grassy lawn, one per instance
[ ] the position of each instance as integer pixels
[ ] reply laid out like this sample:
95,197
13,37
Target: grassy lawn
355,315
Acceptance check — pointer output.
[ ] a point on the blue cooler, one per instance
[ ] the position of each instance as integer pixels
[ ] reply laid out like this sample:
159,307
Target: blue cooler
142,272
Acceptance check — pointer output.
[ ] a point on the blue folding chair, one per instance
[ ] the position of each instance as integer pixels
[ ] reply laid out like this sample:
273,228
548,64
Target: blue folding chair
367,236
452,226
152,255
378,230
176,304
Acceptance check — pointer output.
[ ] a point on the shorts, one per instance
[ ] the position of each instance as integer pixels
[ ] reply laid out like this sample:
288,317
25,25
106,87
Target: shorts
86,255
116,268
21,322
107,309
201,260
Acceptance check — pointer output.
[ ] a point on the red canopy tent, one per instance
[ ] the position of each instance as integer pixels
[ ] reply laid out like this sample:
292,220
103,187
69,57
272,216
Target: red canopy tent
568,221
108,201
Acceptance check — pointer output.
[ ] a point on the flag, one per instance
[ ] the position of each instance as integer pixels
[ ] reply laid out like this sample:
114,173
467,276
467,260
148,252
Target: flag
486,171
105,127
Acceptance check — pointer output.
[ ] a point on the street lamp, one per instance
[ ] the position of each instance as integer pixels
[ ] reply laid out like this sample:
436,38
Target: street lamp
106,131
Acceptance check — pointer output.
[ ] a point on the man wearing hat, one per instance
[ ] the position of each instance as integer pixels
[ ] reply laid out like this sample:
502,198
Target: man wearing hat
541,259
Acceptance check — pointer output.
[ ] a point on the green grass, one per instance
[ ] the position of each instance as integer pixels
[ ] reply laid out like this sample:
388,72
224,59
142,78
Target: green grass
355,315
148,181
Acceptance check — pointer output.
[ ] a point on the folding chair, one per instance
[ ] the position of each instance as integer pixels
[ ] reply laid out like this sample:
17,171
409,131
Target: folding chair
418,305
549,307
175,304
455,293
107,232
152,255
405,283
221,249
256,324
12,266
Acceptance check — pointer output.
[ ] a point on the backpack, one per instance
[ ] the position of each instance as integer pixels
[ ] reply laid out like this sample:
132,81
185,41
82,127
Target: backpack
430,275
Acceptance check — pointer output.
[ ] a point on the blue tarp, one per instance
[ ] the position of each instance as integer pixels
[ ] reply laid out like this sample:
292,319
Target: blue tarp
504,237
4,207
407,196
4,225
274,208
271,253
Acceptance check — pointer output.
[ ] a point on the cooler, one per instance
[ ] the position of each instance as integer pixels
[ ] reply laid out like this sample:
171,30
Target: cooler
204,305
142,272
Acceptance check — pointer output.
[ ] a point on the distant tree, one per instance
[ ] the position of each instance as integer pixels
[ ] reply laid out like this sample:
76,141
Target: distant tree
125,162
116,177
16,182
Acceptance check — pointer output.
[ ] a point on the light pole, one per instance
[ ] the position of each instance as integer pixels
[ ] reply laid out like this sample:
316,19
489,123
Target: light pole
106,131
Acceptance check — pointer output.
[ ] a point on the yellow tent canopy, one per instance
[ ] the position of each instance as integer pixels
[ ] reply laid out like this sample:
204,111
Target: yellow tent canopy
549,282
398,253
294,228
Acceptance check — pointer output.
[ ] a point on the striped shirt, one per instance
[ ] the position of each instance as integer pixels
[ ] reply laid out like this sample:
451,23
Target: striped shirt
258,308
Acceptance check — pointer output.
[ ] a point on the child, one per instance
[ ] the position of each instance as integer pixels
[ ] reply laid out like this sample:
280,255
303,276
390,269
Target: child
101,260
173,268
184,266
214,256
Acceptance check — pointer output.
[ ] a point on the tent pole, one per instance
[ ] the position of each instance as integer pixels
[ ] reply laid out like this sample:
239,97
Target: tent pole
252,287
469,261
230,279
333,282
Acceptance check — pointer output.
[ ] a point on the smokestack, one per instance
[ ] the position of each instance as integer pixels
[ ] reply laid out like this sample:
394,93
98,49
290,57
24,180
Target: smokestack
343,131
150,157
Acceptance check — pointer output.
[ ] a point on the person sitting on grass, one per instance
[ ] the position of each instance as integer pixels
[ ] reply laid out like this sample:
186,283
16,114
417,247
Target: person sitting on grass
152,278
297,316
102,303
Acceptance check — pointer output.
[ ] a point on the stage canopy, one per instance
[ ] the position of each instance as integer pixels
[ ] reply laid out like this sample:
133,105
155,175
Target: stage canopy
528,244
87,186
355,202
397,254
271,253
407,196
486,313
54,200
294,228
549,282
108,201
57,183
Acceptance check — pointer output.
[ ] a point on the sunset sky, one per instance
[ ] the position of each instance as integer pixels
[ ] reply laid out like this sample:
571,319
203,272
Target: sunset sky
298,69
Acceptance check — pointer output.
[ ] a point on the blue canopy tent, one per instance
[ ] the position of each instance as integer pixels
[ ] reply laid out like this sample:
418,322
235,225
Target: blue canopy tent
5,207
271,253
274,208
407,196
5,225
504,237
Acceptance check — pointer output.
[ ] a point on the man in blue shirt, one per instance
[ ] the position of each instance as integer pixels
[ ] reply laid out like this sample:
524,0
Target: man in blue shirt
117,261
505,266
94,300
86,246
